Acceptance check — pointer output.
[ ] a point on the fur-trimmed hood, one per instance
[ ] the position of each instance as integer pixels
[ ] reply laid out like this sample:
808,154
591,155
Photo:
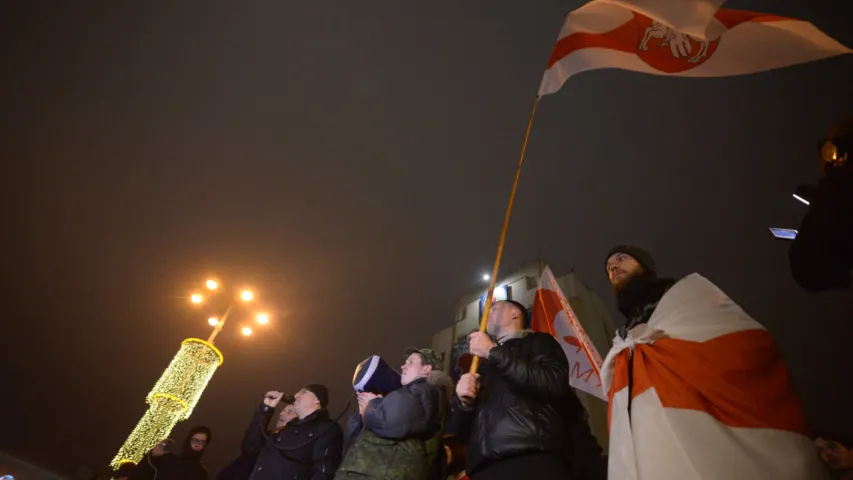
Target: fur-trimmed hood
443,382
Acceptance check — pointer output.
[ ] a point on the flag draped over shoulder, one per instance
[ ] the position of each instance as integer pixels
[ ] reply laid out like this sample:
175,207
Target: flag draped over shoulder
710,396
552,314
667,37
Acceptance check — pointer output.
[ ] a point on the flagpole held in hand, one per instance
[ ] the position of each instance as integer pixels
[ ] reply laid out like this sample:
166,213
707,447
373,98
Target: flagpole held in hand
475,363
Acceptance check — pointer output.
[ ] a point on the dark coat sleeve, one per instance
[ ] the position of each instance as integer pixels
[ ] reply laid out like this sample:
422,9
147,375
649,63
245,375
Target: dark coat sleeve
588,461
326,455
541,367
253,439
354,425
407,412
198,472
241,468
821,257
145,469
460,420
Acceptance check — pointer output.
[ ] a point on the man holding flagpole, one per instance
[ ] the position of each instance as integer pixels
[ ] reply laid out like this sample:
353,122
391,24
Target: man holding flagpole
698,389
519,416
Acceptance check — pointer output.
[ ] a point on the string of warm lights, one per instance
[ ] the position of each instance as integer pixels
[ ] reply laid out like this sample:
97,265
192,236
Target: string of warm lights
172,399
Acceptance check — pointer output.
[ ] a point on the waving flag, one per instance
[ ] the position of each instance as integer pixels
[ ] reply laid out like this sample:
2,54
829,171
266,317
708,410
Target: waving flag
622,34
552,314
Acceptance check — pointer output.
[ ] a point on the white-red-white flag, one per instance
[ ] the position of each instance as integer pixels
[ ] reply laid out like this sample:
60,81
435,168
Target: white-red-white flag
608,34
552,314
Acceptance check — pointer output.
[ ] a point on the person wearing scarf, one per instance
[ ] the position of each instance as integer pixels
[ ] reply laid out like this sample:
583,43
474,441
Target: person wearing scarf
697,388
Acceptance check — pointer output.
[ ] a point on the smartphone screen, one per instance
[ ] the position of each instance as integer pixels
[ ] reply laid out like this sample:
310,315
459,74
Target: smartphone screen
784,233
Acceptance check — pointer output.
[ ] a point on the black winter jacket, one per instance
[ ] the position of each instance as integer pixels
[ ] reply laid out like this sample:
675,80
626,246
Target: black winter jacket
168,467
525,405
821,257
307,449
408,412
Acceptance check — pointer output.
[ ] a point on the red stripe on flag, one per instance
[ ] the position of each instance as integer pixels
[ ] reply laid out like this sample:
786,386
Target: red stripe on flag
740,379
627,37
623,39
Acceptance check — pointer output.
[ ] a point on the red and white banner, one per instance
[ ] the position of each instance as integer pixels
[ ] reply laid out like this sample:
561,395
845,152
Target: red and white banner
608,34
709,396
552,314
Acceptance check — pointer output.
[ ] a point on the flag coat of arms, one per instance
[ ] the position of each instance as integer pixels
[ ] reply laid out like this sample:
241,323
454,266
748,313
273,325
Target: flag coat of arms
710,396
691,38
552,314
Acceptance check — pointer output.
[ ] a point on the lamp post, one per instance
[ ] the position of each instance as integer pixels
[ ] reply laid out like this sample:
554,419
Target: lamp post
181,385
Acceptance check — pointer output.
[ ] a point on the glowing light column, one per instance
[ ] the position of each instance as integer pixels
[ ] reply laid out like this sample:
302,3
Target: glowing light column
172,399
180,387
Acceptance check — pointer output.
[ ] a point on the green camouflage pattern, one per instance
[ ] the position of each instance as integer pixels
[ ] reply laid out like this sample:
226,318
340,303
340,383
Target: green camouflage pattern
372,457
429,356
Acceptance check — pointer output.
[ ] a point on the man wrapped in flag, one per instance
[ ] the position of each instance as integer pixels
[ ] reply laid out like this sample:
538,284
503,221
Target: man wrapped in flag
698,389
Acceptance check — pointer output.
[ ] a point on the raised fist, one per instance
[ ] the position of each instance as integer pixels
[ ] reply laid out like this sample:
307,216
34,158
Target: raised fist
272,398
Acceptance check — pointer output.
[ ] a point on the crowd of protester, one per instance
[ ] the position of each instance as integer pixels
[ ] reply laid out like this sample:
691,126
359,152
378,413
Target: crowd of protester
518,417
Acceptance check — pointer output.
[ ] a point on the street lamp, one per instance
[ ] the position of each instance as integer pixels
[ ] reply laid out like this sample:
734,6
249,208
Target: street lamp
246,295
181,385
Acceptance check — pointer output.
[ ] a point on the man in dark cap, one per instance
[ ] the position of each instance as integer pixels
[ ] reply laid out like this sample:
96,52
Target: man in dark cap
633,276
167,466
398,436
518,414
308,447
698,389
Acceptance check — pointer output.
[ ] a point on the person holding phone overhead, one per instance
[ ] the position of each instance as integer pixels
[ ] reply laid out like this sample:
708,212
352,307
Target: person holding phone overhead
160,464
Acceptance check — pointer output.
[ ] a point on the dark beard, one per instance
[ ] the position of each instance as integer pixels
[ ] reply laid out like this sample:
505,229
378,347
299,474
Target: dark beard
637,298
620,285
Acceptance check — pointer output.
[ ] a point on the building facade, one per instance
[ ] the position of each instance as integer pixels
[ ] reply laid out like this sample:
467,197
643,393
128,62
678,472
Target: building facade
451,343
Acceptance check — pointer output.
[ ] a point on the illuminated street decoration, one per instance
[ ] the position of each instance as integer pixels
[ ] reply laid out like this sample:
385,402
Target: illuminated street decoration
172,399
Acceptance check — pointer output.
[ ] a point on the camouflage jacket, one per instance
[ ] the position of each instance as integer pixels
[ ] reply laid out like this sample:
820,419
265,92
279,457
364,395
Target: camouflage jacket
395,439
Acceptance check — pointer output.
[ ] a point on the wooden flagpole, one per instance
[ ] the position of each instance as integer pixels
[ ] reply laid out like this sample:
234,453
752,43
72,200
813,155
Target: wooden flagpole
475,363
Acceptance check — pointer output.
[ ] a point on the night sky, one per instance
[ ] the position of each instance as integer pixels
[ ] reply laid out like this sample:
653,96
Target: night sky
351,161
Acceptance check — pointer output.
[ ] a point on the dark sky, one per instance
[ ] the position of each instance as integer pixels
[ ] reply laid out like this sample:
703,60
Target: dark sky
352,161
